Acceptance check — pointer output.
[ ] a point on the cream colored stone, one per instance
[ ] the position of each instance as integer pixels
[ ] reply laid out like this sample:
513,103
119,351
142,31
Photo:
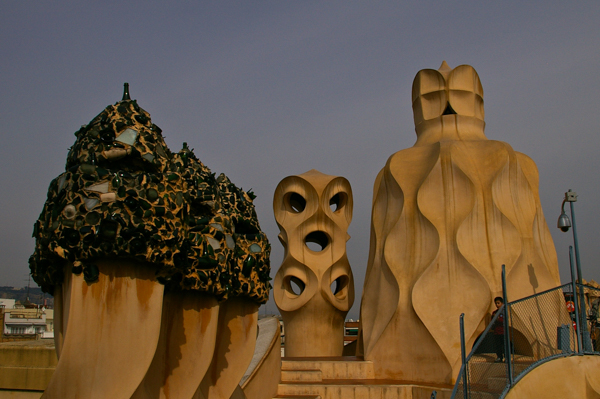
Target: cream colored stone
338,369
20,395
313,208
109,323
185,347
447,213
234,348
62,301
102,187
26,366
262,377
108,197
570,377
173,339
116,153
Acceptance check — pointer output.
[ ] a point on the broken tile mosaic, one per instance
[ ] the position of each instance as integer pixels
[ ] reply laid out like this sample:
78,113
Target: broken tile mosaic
125,194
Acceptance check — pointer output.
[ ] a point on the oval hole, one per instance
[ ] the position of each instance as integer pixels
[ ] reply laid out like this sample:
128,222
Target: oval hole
337,202
316,241
296,203
295,285
339,284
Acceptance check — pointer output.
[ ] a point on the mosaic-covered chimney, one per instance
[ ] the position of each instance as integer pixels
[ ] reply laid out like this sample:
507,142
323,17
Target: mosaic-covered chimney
139,240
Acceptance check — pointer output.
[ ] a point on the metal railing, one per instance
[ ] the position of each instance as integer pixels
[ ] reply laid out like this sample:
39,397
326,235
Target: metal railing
533,330
472,372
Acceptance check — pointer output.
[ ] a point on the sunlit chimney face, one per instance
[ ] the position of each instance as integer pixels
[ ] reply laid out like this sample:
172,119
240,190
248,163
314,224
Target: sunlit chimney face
447,91
314,286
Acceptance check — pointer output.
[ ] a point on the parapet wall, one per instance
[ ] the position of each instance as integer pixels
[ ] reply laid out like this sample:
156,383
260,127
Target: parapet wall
26,367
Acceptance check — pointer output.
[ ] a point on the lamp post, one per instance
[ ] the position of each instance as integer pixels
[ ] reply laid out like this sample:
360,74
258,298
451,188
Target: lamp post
564,223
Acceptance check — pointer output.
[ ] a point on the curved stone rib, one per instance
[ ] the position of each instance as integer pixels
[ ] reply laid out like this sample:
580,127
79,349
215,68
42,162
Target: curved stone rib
544,245
344,298
487,238
185,347
237,328
403,244
333,252
338,186
289,302
104,333
566,377
450,282
592,379
283,215
62,301
59,324
542,237
515,197
381,299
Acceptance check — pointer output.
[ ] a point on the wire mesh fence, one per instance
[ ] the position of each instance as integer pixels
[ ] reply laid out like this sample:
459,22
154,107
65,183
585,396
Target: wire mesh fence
541,326
590,298
480,364
538,327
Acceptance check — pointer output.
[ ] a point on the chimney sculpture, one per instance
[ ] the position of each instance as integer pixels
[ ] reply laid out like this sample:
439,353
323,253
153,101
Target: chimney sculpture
157,267
447,214
313,211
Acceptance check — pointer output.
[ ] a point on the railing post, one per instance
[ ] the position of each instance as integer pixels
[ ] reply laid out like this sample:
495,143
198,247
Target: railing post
575,300
507,351
582,322
463,353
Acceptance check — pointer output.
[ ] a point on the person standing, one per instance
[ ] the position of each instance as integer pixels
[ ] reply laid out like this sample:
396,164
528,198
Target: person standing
498,330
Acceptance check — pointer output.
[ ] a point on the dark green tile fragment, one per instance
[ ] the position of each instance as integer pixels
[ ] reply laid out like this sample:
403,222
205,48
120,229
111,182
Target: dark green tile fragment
91,273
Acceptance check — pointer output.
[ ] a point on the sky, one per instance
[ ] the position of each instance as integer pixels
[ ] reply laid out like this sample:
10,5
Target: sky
267,89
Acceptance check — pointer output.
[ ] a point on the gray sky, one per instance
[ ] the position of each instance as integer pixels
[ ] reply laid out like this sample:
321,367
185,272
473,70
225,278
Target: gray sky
262,90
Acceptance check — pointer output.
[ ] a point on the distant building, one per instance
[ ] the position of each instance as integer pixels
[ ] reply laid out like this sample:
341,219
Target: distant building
7,303
49,333
350,331
24,323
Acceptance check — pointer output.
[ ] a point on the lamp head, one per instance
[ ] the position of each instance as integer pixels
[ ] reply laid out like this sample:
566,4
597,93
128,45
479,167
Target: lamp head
564,223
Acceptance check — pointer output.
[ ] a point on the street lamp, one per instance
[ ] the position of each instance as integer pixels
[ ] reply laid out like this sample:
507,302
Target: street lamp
564,223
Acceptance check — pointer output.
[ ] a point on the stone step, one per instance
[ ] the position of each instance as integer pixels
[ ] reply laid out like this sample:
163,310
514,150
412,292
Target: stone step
297,397
342,367
365,389
480,372
497,384
301,375
483,395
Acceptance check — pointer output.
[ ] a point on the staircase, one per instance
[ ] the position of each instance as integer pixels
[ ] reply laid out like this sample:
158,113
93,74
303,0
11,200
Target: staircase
488,379
346,377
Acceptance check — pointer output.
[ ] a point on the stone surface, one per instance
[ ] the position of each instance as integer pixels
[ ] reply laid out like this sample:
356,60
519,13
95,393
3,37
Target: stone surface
261,379
185,347
447,214
110,322
234,348
348,378
314,287
570,377
26,366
